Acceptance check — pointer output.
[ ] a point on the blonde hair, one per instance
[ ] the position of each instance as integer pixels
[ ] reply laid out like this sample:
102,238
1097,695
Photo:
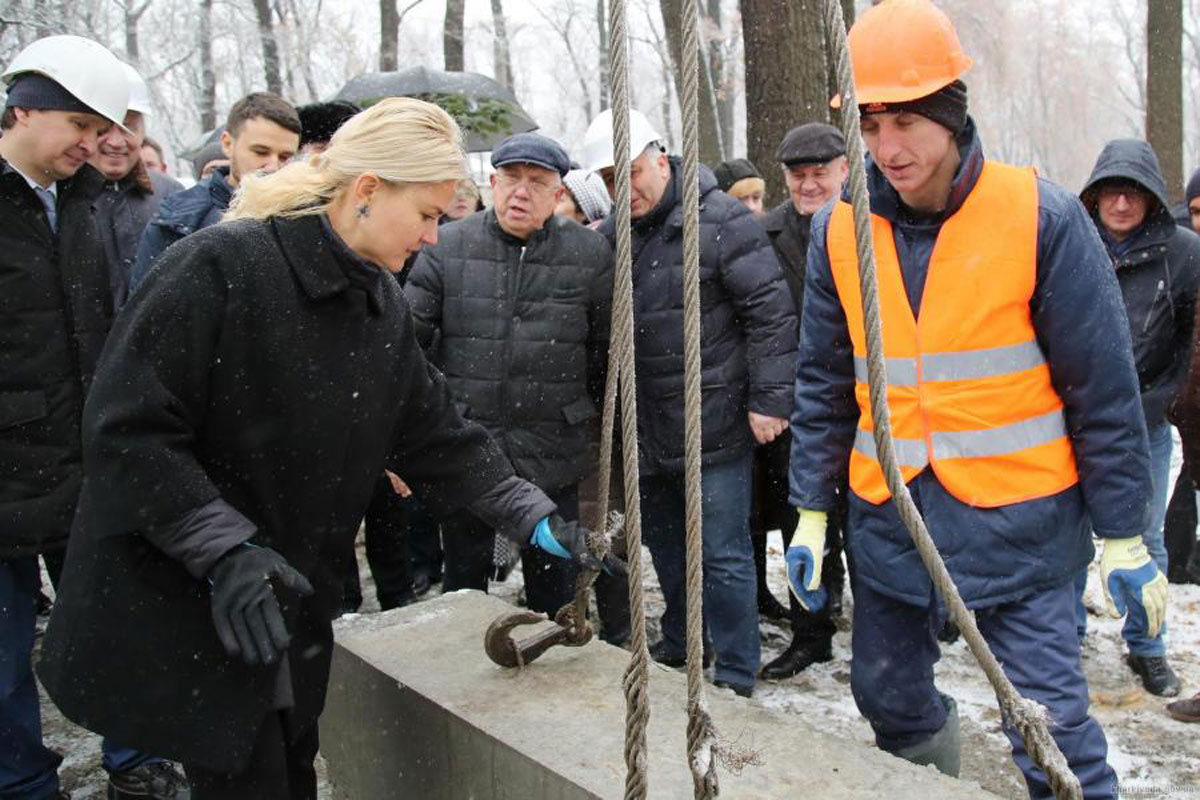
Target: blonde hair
402,140
746,187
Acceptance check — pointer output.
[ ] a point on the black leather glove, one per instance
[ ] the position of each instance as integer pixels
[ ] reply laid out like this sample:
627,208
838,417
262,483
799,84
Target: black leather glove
569,540
245,611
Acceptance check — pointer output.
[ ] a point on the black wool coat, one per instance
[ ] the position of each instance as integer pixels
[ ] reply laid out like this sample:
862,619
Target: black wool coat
55,310
520,329
255,387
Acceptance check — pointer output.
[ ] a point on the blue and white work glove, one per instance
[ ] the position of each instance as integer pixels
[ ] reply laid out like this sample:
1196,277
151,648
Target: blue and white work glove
1131,581
569,540
804,556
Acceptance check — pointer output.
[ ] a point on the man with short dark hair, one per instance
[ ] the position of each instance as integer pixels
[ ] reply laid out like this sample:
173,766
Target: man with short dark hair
512,304
64,94
132,192
153,156
1157,265
261,134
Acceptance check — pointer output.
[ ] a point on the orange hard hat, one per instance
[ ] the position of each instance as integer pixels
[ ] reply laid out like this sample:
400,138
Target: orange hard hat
904,50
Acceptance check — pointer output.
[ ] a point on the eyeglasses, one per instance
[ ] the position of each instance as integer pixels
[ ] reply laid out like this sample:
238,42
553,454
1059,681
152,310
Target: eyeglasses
1130,192
538,186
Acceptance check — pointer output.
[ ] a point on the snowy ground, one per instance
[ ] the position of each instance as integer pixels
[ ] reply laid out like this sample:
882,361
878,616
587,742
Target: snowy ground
1154,755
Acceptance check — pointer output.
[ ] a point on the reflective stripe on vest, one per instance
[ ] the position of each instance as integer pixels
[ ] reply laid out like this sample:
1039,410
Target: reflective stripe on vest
969,390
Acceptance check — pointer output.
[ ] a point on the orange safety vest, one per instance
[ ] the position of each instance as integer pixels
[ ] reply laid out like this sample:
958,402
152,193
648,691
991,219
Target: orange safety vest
968,386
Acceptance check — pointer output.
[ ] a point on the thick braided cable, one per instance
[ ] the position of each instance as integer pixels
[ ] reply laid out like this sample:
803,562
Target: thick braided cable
1027,716
637,674
701,736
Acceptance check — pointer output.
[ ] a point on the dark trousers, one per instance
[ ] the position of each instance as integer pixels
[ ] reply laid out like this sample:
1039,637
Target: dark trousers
28,770
389,523
769,509
891,675
467,545
1179,531
281,766
730,608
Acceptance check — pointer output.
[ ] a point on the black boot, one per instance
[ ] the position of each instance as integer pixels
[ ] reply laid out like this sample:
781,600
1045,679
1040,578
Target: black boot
797,658
1157,676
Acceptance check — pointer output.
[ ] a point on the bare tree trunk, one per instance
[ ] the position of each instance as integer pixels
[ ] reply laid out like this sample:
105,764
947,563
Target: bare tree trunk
848,12
722,74
389,35
132,13
452,36
710,136
786,78
602,27
270,47
501,54
1164,90
208,78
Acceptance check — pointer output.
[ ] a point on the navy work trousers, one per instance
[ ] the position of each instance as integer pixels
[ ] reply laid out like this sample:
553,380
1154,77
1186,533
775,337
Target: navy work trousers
895,647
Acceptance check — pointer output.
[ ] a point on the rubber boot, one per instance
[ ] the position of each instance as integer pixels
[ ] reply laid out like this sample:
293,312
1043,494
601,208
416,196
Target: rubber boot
942,749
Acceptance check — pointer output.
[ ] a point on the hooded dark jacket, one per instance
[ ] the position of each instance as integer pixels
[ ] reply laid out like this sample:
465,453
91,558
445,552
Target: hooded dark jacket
1158,267
123,210
55,310
995,555
182,214
747,321
254,389
520,329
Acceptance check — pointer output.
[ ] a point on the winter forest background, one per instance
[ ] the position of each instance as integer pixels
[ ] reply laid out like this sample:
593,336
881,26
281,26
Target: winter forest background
1053,79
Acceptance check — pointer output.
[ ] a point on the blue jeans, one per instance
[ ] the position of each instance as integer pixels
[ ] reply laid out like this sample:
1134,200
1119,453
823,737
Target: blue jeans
891,675
1134,630
28,770
730,593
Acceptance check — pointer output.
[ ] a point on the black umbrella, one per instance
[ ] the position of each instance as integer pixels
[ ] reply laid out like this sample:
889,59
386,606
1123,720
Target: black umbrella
487,112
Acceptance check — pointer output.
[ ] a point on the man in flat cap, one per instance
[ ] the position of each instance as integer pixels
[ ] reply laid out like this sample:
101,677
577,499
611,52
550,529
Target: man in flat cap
813,158
512,304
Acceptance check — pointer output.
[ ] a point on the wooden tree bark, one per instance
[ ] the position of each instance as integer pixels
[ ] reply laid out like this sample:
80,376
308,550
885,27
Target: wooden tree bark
270,47
389,35
1164,90
787,81
452,36
208,78
710,140
721,75
602,28
500,50
131,13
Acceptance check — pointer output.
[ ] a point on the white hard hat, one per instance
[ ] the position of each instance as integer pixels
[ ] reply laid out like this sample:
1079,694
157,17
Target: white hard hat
83,67
139,92
598,141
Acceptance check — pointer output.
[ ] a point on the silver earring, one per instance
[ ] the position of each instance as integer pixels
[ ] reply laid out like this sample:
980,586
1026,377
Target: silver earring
362,211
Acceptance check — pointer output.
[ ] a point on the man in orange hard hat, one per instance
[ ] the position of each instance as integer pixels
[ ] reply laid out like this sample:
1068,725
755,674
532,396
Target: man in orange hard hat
1013,400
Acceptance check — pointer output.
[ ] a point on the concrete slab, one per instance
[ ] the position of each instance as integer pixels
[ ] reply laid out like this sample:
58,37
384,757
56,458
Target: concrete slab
416,710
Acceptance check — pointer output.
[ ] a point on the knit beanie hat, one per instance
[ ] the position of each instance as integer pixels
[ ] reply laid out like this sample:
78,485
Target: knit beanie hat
34,90
1193,186
589,193
947,106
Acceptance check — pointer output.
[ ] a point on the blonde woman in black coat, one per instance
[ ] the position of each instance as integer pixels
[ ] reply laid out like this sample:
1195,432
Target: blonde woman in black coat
249,396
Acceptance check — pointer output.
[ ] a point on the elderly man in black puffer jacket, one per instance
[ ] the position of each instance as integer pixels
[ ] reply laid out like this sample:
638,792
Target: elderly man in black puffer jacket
748,349
512,304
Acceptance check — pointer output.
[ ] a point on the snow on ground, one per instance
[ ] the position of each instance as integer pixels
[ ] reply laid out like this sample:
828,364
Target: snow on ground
1154,755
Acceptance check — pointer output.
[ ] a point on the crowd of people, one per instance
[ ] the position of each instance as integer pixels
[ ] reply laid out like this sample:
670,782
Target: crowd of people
206,392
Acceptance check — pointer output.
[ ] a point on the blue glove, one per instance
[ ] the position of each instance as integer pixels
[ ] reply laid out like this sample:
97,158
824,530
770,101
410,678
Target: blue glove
804,558
1130,578
569,540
